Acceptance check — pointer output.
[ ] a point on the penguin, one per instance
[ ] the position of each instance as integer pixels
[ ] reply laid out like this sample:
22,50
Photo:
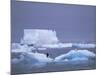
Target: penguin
47,54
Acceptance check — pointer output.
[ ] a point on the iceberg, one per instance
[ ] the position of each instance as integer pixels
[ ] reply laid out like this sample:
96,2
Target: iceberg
38,37
77,56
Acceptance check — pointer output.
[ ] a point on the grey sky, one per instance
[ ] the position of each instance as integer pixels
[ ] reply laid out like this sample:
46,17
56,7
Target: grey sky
73,23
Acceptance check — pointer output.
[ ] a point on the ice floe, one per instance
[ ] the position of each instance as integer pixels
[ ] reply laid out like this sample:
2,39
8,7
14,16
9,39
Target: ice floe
77,56
84,45
32,59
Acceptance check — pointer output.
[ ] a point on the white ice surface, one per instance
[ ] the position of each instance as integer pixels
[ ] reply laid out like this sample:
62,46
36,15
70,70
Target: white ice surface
39,37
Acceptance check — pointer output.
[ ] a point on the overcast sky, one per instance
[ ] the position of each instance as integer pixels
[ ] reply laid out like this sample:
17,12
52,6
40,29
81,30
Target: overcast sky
73,23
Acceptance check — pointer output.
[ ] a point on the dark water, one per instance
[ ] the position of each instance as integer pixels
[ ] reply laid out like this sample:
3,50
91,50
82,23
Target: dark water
54,67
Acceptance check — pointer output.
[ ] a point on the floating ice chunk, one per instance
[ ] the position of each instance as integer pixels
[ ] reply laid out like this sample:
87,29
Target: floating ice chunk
87,53
16,60
84,45
61,58
50,46
42,48
17,51
39,56
30,60
63,45
15,46
58,45
40,60
75,55
39,37
80,53
23,48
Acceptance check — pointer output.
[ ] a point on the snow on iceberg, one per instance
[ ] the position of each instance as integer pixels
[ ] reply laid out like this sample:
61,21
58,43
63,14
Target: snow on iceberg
76,56
39,37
